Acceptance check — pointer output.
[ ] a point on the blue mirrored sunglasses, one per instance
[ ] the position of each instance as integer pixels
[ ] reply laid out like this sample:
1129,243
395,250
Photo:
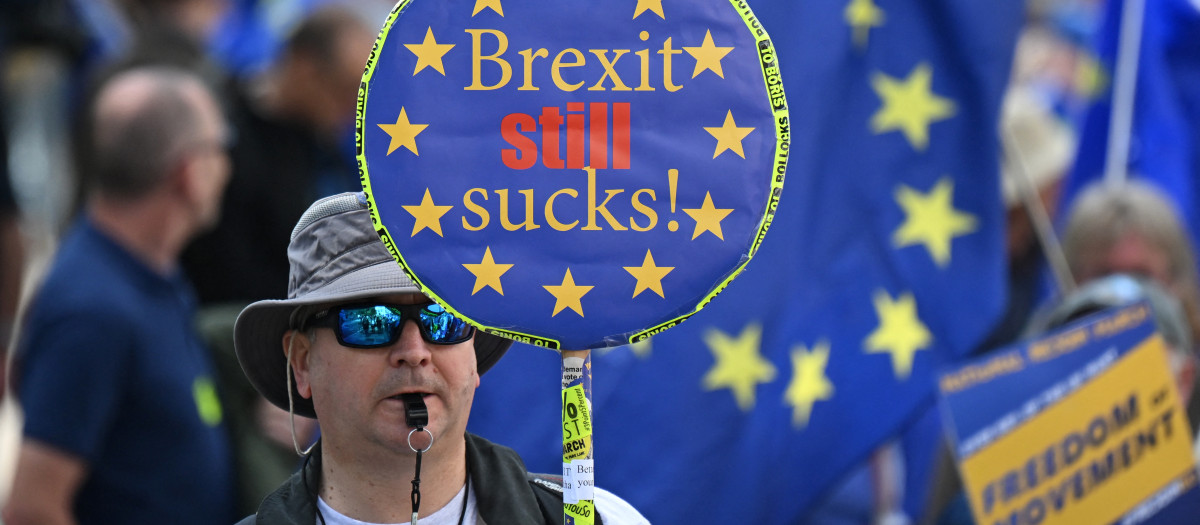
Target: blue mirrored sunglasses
374,325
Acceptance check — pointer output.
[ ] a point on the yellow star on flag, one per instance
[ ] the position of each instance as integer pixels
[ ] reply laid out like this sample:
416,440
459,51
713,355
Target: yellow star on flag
494,5
739,365
427,215
487,272
649,276
654,6
729,136
900,332
568,295
862,15
403,133
809,383
708,56
429,53
708,217
932,220
909,105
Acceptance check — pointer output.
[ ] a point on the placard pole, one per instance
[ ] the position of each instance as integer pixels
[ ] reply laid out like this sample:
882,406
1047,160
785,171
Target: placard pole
579,506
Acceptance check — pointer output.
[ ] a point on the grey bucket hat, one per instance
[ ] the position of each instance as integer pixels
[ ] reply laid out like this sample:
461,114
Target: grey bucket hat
335,256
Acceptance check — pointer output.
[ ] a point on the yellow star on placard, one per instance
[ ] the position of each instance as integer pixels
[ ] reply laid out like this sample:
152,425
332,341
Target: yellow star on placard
427,215
708,217
494,5
403,133
900,332
729,136
809,383
649,276
862,15
487,272
739,365
909,105
708,56
568,295
654,6
429,53
932,220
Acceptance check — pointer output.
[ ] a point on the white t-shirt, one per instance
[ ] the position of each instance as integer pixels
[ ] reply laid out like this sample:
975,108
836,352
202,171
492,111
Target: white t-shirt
613,510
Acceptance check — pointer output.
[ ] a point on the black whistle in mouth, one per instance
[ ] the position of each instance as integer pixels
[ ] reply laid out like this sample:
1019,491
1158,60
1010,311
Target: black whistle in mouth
415,413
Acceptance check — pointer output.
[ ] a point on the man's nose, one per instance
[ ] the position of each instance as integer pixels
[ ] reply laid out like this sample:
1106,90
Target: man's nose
410,349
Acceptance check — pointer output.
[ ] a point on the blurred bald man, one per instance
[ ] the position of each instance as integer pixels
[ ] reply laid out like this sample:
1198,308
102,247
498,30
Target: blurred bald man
122,419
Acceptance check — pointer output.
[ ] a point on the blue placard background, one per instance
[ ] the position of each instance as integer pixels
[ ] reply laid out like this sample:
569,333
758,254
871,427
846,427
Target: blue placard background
461,149
975,408
978,408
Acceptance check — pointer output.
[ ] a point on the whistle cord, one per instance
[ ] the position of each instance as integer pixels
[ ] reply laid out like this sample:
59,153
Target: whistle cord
416,491
416,415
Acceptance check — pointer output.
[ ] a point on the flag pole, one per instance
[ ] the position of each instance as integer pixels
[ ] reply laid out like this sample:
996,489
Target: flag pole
1120,123
1032,203
579,506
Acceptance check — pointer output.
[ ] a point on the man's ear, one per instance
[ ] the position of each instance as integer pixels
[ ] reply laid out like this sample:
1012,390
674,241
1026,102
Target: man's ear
296,347
185,178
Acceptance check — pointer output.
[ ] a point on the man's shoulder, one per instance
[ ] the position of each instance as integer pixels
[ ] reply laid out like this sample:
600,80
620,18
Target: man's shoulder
74,302
548,488
503,494
294,502
85,270
548,482
495,454
76,305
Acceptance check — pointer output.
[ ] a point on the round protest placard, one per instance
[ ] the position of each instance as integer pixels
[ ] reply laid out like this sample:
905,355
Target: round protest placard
572,174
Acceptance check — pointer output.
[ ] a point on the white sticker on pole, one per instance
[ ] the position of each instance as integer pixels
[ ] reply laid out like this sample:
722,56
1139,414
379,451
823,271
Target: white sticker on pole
578,480
572,370
568,483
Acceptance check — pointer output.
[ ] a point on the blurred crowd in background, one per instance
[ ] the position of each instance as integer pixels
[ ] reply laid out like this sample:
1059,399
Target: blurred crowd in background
286,75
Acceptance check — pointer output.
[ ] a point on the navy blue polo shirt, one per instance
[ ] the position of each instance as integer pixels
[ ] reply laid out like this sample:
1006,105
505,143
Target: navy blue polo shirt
110,369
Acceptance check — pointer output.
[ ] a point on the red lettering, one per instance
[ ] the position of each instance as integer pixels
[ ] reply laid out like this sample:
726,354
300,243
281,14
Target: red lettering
587,136
551,121
599,135
575,127
525,154
621,136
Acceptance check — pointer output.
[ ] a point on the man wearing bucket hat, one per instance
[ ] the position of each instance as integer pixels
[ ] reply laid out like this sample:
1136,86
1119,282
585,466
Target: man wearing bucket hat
390,376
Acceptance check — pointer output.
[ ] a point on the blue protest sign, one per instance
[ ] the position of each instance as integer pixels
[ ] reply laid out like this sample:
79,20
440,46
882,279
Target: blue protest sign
1084,425
572,174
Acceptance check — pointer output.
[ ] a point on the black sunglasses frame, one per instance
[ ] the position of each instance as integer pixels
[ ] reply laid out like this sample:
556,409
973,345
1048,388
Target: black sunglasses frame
330,318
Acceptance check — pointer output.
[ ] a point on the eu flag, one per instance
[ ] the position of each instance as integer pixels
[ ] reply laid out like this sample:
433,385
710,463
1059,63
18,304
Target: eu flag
1163,140
885,262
